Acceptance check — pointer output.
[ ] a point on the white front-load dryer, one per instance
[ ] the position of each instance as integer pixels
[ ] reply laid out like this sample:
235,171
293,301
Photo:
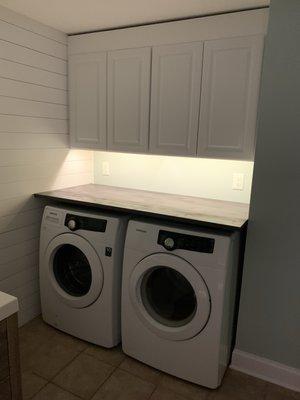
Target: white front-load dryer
178,296
80,269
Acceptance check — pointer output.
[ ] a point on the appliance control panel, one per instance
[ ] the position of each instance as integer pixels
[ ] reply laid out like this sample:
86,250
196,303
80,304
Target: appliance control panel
75,222
174,240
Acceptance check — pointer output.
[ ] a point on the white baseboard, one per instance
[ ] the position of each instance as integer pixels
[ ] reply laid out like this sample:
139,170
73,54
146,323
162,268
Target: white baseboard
266,369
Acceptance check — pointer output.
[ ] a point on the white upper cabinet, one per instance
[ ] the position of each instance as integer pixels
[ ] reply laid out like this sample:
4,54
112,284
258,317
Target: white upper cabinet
87,86
128,96
186,88
229,97
175,94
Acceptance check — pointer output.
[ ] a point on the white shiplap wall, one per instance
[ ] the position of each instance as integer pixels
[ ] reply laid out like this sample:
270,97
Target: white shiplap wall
34,154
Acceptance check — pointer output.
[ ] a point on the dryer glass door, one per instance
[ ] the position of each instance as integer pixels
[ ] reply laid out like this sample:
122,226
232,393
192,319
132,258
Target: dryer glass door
74,269
170,296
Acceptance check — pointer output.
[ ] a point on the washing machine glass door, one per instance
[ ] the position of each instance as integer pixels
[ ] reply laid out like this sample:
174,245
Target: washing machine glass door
74,269
169,296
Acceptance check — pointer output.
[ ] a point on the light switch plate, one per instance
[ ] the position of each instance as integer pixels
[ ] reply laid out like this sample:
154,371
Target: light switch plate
238,181
105,168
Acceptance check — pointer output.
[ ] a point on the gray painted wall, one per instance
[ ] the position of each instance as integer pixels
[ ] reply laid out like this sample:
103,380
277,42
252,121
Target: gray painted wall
269,317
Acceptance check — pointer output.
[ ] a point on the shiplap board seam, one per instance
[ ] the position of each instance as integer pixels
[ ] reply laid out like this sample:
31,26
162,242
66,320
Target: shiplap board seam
29,300
28,39
12,238
24,248
22,220
33,269
29,91
32,66
44,134
14,280
17,53
38,133
35,101
18,265
69,174
37,141
21,107
33,83
16,124
30,202
60,181
32,25
38,51
17,158
24,73
22,291
29,314
24,296
84,166
33,116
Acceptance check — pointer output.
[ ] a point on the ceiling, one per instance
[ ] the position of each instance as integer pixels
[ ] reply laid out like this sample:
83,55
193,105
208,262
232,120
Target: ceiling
73,16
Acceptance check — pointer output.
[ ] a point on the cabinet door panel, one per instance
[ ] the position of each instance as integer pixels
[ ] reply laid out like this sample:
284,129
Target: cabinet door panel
229,96
176,79
128,99
88,100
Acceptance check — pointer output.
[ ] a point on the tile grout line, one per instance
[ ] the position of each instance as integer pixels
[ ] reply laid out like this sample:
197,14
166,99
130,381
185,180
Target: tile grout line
51,380
105,380
68,363
155,387
76,394
138,376
66,390
44,385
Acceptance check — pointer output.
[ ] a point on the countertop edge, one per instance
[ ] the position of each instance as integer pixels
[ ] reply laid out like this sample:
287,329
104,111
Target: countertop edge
8,305
207,223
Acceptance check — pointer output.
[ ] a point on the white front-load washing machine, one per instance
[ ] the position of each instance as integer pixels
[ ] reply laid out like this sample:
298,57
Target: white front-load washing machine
178,296
80,269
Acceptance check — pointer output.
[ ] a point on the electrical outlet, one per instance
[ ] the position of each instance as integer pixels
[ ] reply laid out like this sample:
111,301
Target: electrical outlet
105,168
238,181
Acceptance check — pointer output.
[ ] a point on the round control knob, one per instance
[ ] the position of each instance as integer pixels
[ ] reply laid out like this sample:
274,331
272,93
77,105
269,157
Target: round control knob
72,224
169,243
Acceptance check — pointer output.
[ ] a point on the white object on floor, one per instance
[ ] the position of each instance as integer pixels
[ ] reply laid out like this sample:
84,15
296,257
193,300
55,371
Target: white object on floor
178,296
80,273
266,369
8,305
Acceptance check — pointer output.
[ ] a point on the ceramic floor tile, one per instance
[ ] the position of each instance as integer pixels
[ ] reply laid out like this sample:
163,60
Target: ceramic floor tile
31,384
141,370
53,392
35,333
166,394
184,388
124,386
45,350
83,376
274,392
239,386
48,359
112,356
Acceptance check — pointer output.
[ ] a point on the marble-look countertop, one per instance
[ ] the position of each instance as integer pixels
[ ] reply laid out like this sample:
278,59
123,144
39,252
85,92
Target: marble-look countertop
8,305
183,208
